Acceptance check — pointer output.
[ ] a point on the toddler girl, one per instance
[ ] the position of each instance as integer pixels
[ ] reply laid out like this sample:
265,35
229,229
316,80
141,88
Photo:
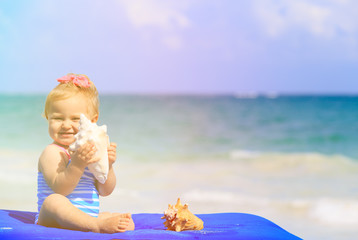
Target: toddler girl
68,193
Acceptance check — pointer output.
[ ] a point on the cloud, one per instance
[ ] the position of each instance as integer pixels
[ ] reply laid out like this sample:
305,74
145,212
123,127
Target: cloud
324,19
167,17
155,13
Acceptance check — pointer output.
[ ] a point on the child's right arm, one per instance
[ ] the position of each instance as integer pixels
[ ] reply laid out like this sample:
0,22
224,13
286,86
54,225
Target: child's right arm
61,176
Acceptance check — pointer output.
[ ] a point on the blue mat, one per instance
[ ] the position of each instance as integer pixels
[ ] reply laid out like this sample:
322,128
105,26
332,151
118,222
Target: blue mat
19,225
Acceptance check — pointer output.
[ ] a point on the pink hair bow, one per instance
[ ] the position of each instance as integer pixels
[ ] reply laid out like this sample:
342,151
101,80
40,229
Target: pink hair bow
78,80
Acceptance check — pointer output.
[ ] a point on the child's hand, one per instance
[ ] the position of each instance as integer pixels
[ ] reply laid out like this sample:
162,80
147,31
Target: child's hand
112,153
84,155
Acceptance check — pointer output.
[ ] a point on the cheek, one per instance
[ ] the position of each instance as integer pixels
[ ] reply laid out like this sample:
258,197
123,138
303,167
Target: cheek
75,126
52,128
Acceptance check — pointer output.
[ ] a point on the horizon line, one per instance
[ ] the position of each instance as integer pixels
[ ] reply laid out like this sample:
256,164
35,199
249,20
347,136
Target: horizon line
237,94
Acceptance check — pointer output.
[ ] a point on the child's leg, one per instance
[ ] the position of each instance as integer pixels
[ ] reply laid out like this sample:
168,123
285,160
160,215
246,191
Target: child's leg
57,211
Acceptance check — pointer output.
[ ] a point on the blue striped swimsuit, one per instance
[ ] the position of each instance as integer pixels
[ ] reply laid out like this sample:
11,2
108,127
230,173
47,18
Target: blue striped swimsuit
85,195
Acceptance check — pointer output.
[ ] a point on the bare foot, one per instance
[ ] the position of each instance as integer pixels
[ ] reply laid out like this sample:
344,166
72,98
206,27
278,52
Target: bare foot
130,226
113,222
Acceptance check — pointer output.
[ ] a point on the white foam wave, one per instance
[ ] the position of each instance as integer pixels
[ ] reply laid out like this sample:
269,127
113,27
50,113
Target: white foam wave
298,162
336,211
254,95
243,154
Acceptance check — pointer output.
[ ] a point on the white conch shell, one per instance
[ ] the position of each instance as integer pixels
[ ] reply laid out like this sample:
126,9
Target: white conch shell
91,132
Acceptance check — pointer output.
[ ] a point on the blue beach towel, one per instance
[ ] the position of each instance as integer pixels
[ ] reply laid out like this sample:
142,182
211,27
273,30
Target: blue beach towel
221,226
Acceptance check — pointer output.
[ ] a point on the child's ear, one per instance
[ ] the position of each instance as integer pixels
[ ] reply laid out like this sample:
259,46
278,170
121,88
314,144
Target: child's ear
95,118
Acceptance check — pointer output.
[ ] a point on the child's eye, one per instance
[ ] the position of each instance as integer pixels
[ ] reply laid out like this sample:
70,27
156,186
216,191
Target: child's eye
76,119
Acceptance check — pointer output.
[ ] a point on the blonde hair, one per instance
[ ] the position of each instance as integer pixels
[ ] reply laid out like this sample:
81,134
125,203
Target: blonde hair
66,90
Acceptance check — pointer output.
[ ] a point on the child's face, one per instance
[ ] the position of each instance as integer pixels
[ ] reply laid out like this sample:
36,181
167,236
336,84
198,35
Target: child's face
63,119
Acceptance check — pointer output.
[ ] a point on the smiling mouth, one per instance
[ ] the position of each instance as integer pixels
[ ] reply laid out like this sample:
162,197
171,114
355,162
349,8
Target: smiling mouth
66,134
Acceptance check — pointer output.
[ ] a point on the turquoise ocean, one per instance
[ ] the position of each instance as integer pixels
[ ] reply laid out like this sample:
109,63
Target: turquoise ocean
292,159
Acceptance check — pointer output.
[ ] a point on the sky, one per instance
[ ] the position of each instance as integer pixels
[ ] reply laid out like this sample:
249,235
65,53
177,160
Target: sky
181,46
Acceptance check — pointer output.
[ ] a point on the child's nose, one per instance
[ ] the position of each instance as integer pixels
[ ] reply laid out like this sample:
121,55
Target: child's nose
66,124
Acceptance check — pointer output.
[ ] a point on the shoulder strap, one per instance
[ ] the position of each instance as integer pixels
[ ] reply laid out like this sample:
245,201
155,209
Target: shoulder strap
64,149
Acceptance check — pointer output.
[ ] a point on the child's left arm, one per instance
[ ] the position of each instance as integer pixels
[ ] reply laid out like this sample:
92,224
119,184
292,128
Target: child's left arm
108,187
